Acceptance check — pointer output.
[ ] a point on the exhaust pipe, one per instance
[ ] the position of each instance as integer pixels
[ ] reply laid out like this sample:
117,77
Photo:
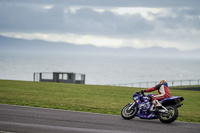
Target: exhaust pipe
178,105
161,111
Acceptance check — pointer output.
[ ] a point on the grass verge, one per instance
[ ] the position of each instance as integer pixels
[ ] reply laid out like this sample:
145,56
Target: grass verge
86,98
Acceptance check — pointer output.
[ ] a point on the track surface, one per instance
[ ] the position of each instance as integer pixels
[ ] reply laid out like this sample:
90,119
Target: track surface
37,120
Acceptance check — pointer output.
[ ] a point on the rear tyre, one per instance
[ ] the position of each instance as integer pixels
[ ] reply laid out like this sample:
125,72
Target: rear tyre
127,113
169,117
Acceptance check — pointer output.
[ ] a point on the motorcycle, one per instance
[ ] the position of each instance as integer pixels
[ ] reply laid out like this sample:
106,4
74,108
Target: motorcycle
166,113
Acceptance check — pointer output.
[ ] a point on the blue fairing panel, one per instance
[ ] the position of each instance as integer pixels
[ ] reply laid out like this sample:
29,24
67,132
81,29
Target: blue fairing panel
172,101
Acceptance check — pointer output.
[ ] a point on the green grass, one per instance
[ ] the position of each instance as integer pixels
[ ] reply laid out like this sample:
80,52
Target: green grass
187,86
87,98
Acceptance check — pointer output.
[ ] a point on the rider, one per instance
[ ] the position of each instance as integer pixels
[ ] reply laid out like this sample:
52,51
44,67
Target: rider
163,91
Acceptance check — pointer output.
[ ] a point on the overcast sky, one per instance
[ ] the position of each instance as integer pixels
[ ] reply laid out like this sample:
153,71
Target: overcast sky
110,23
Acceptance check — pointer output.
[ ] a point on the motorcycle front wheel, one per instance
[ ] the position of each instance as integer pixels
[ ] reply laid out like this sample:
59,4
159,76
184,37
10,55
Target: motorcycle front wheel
170,116
129,113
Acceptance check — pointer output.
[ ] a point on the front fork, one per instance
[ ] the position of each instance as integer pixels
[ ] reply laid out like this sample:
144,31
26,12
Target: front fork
131,106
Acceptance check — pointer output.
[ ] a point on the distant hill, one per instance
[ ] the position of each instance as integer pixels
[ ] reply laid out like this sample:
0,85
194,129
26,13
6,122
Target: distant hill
13,45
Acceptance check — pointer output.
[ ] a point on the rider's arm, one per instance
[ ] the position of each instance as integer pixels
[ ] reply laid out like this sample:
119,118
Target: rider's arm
150,89
157,87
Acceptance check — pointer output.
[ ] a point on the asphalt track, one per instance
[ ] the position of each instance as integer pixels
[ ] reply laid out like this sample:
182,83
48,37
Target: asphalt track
39,120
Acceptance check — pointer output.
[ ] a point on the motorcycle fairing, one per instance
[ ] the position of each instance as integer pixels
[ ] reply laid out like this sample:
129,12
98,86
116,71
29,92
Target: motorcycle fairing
144,106
171,101
147,115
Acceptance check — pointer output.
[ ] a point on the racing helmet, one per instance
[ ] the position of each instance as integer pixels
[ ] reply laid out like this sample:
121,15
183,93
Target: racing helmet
163,82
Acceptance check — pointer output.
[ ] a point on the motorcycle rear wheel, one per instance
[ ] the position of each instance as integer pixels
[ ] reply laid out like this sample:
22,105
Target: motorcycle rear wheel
127,113
169,117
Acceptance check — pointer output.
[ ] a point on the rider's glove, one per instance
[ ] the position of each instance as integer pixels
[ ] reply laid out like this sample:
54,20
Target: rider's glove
142,91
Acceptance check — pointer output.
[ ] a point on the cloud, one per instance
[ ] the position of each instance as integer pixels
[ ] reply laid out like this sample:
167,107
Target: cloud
131,23
113,3
102,41
61,19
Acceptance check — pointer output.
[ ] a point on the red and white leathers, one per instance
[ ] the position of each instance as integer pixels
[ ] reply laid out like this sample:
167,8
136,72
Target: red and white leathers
163,91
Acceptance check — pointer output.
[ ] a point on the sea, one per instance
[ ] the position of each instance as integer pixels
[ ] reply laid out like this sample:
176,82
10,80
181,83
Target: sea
101,69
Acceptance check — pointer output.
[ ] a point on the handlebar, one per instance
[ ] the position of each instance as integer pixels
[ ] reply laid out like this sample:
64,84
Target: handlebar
144,95
141,93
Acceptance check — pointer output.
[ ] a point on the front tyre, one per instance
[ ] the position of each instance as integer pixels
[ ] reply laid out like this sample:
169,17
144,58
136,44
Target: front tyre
129,113
170,116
